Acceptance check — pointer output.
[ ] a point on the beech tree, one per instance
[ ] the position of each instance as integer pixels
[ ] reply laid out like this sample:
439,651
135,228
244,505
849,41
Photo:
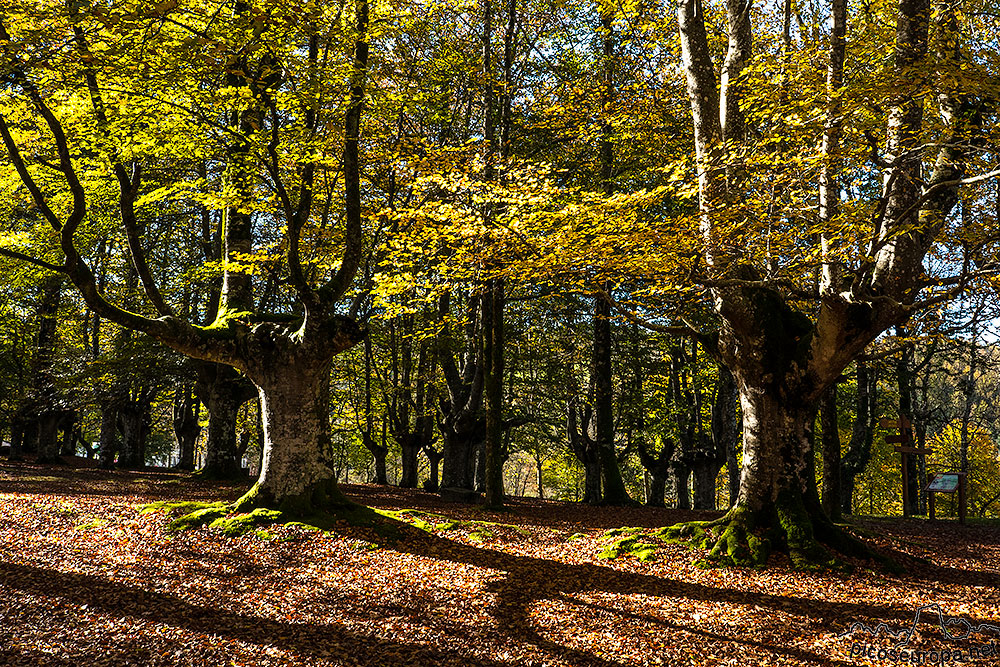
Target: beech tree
789,328
273,68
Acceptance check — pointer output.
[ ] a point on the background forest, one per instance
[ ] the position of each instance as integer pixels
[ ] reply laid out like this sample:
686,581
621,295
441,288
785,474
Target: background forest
528,258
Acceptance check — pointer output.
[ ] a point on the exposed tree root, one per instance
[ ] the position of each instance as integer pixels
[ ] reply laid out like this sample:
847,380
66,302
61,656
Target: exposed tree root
744,538
323,507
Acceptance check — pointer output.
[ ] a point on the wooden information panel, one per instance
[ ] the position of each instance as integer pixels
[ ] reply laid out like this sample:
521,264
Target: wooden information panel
944,483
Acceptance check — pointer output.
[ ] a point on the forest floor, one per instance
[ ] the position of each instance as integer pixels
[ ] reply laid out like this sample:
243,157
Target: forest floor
87,579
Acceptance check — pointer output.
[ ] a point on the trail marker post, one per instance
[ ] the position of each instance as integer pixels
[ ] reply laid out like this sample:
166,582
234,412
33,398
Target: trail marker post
905,447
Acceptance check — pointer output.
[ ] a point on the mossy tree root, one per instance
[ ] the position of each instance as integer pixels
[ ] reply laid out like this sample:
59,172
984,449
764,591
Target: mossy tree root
745,538
321,498
323,506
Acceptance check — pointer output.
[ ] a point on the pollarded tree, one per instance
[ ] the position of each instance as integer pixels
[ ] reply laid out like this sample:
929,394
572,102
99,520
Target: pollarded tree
146,105
797,307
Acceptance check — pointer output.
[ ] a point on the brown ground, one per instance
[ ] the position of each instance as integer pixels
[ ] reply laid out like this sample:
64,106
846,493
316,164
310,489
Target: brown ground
85,579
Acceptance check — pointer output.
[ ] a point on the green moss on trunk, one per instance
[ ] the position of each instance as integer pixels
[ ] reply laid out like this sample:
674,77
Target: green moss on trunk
322,497
745,538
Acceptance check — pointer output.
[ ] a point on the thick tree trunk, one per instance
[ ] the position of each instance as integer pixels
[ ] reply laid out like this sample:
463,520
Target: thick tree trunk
460,445
296,477
682,483
434,459
70,426
223,390
657,496
108,439
777,505
705,473
592,481
186,428
134,424
48,437
410,448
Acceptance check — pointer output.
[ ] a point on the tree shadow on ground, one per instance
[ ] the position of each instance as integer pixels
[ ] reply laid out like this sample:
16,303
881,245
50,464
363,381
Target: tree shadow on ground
79,480
529,580
310,640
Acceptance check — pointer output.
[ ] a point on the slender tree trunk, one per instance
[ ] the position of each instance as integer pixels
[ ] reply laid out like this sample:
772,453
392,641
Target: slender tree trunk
859,449
493,354
540,487
904,382
832,501
603,384
16,439
377,450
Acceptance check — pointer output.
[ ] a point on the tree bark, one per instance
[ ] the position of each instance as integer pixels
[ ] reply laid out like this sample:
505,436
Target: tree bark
186,428
410,447
434,459
134,422
108,444
493,354
579,427
47,447
859,448
603,416
223,390
297,475
378,450
832,501
682,485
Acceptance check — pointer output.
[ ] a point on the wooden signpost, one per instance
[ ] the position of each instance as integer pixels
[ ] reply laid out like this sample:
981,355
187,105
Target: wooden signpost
905,448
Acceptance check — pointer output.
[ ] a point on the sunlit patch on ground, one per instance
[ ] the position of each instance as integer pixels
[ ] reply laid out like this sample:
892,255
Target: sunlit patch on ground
86,579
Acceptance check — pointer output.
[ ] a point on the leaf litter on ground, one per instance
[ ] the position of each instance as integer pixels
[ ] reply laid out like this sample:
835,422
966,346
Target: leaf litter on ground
86,578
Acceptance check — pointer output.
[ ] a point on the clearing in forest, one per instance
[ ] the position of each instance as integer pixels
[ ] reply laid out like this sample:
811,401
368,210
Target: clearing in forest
88,579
